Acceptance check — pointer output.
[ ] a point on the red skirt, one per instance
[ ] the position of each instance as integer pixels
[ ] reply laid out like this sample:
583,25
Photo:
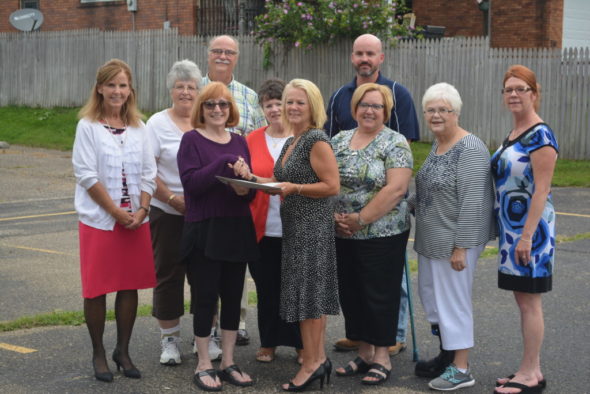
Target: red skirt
115,260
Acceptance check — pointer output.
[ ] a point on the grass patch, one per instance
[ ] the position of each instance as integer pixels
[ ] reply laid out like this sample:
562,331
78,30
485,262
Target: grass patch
51,128
572,173
39,127
65,318
252,298
571,238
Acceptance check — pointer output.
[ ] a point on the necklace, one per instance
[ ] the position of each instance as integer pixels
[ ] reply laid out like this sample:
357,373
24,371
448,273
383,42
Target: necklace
119,138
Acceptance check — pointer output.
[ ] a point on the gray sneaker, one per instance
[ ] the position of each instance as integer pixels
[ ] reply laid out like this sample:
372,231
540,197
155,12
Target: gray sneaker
452,379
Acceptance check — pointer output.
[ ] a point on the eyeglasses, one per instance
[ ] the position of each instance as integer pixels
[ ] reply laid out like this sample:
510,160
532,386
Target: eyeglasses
443,111
219,52
182,88
519,90
376,107
212,104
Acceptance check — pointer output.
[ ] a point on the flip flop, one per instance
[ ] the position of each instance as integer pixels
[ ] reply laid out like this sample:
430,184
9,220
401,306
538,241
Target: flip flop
542,382
380,378
226,375
199,382
361,367
524,389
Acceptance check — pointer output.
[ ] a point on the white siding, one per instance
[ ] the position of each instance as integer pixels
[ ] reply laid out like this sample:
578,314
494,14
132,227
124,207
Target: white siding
576,23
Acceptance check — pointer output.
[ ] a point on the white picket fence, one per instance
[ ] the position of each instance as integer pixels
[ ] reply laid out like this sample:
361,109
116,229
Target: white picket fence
58,69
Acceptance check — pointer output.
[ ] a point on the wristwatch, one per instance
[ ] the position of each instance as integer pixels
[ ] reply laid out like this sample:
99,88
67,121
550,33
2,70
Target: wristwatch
146,209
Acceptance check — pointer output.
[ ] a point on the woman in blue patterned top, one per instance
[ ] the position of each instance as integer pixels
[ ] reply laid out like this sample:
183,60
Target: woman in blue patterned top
522,169
372,224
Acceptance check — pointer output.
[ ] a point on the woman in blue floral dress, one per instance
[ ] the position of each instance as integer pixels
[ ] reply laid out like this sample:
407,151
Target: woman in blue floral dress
522,169
375,165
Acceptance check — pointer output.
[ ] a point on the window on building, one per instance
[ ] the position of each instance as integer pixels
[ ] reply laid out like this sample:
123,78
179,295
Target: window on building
96,1
29,4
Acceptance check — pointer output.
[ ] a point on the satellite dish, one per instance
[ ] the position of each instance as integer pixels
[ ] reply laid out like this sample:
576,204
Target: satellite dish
26,19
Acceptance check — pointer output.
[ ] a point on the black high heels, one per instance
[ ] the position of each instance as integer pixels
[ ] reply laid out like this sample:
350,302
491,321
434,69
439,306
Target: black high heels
328,369
319,373
102,376
132,372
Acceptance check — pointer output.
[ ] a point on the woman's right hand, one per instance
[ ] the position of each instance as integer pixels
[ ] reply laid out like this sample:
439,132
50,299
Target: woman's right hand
122,217
522,253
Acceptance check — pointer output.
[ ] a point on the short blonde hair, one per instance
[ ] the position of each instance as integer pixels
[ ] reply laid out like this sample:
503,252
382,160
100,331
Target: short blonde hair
215,90
94,109
365,88
315,99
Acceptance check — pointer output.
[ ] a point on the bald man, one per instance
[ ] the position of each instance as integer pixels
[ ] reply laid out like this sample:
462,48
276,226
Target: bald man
367,57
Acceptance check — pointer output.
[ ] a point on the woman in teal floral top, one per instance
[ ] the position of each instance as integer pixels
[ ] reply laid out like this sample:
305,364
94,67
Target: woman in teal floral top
372,225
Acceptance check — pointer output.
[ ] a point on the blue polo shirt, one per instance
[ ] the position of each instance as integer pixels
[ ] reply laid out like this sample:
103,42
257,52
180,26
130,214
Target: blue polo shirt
403,115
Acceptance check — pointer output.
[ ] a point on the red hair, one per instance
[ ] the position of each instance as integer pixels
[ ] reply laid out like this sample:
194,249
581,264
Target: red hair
528,76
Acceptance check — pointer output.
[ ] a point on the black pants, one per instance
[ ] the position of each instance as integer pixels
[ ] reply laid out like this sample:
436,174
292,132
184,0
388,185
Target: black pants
369,280
168,295
266,273
210,279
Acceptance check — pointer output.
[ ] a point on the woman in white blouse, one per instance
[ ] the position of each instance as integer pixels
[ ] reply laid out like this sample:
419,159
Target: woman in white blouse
115,170
165,129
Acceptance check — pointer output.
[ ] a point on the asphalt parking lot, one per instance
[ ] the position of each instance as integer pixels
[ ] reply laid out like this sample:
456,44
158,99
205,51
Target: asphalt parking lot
39,273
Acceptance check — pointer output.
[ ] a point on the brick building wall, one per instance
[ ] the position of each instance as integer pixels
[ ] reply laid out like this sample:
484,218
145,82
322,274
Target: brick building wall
460,17
73,14
514,23
527,23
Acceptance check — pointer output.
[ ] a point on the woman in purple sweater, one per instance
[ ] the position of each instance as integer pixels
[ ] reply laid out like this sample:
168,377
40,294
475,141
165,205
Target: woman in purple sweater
218,236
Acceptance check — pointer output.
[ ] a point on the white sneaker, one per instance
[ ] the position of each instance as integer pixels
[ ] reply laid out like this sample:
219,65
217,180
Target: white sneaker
214,349
170,353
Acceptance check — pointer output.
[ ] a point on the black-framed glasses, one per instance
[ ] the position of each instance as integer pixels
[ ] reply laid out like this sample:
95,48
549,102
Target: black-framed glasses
376,107
518,90
219,52
443,111
212,104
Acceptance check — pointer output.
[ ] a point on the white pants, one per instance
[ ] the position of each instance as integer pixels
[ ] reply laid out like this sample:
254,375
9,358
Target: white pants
446,298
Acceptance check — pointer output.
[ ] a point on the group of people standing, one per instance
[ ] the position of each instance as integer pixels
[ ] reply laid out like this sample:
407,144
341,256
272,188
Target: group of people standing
330,234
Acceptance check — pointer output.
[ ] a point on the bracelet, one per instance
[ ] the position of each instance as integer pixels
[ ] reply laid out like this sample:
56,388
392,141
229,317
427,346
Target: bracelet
146,209
360,221
172,197
526,240
253,179
299,188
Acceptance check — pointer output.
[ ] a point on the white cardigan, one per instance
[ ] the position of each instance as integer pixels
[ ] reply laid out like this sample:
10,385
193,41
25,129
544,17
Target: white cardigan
97,157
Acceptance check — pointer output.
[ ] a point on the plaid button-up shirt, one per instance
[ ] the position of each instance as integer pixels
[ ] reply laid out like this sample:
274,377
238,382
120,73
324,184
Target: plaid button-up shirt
251,115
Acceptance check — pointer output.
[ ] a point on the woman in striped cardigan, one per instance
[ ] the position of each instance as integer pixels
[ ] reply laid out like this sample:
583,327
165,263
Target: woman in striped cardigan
454,221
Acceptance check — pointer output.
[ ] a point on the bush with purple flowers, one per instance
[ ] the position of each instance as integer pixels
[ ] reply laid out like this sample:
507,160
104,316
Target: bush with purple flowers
304,24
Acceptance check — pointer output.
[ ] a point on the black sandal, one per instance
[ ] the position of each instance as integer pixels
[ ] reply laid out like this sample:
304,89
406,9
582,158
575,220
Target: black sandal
524,389
208,372
361,367
542,382
380,378
226,375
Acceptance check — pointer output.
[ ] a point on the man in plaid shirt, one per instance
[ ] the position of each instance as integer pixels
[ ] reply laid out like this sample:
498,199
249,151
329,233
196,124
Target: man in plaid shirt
223,56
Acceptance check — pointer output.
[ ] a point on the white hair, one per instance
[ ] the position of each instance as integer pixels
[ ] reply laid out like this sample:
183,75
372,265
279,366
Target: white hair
443,91
183,70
